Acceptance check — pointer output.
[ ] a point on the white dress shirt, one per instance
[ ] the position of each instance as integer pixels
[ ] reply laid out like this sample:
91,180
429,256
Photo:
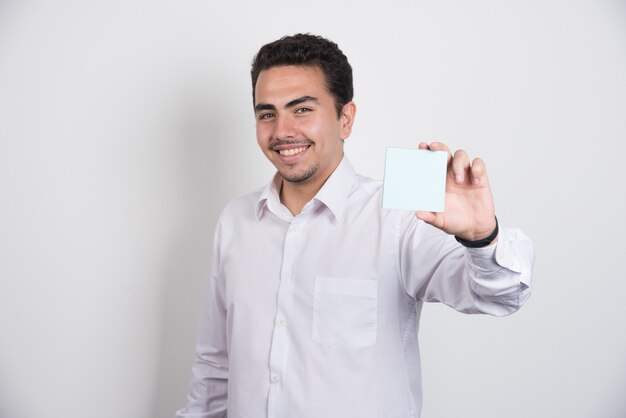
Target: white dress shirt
314,315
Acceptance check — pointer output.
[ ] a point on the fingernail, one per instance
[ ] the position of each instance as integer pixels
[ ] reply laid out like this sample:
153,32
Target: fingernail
458,178
476,180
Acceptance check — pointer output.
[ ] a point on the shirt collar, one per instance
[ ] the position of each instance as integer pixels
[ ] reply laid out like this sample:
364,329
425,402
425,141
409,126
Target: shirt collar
269,198
333,194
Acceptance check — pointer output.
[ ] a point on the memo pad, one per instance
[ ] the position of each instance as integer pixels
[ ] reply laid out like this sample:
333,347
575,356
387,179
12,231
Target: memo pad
415,179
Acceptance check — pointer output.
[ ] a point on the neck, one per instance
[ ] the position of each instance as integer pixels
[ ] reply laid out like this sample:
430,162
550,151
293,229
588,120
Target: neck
294,196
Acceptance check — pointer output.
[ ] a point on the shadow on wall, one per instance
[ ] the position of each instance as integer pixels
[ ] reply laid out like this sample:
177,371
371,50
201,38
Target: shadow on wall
204,139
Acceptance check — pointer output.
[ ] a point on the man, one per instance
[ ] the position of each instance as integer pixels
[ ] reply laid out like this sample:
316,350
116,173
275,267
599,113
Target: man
315,289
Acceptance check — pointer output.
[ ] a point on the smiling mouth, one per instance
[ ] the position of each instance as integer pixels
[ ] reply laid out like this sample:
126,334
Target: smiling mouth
292,151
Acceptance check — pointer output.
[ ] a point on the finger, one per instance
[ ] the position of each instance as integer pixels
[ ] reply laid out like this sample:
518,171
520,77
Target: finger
438,146
478,170
460,166
427,217
423,146
432,218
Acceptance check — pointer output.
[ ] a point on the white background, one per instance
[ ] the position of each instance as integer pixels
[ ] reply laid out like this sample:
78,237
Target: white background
125,126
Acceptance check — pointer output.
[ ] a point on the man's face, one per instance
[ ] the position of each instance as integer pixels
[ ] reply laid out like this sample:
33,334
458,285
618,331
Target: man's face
297,126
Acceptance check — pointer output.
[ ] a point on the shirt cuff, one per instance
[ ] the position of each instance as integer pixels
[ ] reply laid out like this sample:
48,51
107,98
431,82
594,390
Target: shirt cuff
499,255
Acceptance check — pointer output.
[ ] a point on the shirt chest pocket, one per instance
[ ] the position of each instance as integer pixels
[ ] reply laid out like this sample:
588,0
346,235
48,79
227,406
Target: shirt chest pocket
345,312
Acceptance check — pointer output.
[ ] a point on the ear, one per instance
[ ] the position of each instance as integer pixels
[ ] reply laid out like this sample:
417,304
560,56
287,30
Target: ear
346,119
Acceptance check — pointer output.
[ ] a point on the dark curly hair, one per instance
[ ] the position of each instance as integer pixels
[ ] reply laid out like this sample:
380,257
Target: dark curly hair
308,50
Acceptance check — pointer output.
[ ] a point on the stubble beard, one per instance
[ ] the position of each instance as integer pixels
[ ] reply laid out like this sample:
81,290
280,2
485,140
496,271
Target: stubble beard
301,177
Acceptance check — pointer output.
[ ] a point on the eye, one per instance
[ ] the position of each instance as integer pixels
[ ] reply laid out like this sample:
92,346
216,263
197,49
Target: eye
265,116
303,110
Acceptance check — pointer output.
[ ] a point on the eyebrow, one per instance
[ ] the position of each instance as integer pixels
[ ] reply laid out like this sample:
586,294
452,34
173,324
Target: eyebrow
300,100
295,102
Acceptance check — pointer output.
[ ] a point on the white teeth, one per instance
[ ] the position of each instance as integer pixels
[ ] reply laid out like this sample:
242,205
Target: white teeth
294,151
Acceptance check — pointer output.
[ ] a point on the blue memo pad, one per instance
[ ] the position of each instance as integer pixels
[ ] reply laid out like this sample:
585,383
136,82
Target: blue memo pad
415,179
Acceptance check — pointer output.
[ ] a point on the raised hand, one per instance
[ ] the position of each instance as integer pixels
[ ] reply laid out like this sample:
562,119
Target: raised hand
469,211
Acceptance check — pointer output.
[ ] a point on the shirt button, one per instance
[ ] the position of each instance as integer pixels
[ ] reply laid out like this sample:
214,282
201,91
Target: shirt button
288,273
282,322
275,378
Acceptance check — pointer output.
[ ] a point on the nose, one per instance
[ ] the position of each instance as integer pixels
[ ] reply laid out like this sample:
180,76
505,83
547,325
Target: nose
284,127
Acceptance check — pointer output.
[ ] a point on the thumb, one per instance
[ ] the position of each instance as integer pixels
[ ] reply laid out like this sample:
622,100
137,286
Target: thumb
428,217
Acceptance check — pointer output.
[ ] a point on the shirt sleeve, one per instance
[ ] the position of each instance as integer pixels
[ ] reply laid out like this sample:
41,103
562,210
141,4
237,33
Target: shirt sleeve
434,267
208,392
